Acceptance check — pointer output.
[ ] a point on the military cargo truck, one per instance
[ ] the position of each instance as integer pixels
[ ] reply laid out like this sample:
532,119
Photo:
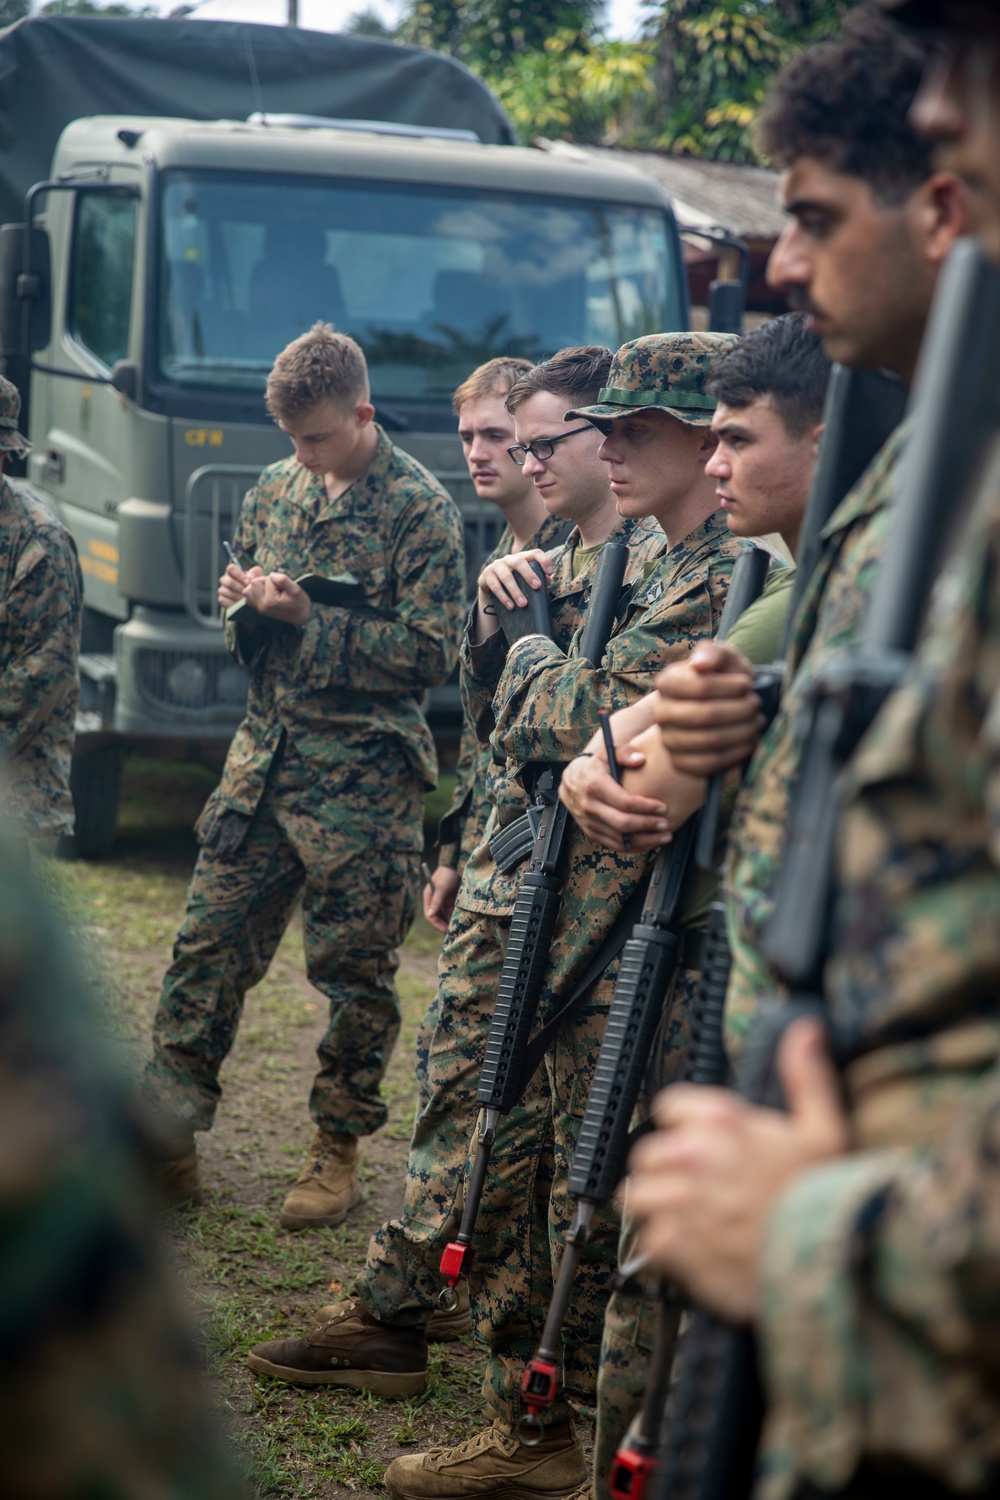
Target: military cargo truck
159,263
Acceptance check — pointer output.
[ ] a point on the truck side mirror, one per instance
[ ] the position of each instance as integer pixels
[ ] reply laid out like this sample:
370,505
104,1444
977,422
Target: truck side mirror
25,299
726,303
125,378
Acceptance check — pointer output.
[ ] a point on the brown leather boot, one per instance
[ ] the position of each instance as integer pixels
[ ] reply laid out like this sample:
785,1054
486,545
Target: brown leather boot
492,1466
447,1326
349,1347
180,1174
327,1187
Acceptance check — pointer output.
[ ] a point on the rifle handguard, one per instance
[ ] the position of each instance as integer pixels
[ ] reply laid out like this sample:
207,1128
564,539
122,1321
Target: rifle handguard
532,926
648,961
707,1062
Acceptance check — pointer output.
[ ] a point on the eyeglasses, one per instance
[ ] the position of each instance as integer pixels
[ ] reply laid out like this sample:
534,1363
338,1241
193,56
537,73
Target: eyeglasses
542,449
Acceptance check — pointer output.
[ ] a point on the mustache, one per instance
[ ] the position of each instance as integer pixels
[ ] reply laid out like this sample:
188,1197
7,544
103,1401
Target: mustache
800,301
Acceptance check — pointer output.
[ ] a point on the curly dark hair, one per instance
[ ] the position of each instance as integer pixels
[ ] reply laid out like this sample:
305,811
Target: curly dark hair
579,374
845,102
784,361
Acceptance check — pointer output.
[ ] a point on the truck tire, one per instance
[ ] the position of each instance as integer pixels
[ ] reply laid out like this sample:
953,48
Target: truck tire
95,782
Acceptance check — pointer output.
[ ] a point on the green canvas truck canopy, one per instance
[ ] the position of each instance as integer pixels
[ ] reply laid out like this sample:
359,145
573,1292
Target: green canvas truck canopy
60,68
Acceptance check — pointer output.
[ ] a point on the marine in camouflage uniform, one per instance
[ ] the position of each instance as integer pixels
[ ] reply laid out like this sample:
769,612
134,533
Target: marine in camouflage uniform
41,601
329,768
884,1263
100,1394
546,708
887,1259
401,1281
830,619
463,825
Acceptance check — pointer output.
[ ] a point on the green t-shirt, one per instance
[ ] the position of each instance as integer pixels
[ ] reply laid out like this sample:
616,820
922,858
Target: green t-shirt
579,557
760,630
758,633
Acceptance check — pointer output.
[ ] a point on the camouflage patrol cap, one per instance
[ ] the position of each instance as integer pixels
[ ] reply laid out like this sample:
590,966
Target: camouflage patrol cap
668,371
11,440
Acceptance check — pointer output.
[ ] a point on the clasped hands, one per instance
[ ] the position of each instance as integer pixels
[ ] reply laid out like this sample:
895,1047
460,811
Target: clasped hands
702,718
274,595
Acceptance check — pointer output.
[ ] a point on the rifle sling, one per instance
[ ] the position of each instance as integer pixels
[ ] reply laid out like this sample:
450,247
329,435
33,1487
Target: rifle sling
614,941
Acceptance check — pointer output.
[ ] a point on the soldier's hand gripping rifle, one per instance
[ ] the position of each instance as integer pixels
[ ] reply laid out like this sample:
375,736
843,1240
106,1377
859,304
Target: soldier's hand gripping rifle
649,959
860,412
717,1405
532,926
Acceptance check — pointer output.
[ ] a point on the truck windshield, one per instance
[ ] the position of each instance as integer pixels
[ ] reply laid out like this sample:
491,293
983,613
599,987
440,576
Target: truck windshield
430,281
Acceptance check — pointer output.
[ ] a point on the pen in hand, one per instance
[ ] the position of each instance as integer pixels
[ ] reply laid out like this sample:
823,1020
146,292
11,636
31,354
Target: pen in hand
604,718
233,558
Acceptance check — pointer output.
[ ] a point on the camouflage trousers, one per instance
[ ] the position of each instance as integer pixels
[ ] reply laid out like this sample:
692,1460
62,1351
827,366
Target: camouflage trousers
512,1272
401,1282
526,1210
630,1321
351,854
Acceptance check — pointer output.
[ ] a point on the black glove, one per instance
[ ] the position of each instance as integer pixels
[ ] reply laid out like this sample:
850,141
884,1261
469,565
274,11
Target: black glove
223,830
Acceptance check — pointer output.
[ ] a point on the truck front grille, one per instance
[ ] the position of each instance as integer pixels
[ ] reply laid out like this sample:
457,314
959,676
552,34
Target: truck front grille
196,683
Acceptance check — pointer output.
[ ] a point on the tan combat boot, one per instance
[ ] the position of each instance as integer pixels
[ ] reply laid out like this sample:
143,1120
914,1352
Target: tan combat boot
180,1174
447,1326
349,1347
327,1187
493,1465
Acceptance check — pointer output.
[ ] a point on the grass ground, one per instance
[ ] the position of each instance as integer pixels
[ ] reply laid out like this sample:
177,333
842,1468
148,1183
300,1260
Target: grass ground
247,1278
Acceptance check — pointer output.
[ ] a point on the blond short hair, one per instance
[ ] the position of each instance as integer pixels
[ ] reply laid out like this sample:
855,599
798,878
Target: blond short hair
495,378
320,365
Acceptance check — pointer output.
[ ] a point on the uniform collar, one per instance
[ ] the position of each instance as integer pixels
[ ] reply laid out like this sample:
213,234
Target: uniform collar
872,492
367,486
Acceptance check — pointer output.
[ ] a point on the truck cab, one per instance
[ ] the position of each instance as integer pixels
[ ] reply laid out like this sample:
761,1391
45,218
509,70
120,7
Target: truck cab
170,260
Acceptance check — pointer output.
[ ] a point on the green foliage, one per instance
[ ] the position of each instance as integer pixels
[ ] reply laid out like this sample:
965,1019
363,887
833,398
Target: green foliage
576,88
369,23
693,83
75,8
13,10
487,34
714,60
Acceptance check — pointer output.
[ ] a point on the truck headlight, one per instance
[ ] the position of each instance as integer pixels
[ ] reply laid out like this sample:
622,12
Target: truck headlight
187,682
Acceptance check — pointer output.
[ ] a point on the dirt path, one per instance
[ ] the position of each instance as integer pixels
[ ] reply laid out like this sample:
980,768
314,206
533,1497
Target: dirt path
249,1279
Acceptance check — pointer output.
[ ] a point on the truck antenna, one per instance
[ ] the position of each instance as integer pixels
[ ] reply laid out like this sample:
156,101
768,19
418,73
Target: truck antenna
252,65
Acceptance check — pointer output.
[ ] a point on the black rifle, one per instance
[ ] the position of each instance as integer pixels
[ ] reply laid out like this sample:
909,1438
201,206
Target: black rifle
533,923
649,959
717,1405
861,410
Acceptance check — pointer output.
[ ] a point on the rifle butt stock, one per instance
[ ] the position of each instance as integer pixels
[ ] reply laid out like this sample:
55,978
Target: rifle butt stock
604,598
531,618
